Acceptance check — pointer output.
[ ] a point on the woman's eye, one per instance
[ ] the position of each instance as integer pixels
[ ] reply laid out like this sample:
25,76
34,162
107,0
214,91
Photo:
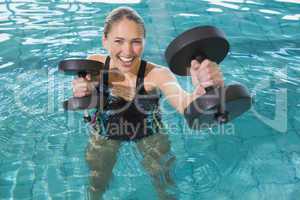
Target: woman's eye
118,41
137,42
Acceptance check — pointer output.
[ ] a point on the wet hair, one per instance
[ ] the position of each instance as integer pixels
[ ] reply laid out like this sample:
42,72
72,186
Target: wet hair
120,13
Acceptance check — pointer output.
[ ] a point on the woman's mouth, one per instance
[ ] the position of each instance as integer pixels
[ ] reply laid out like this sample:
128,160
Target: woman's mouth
126,61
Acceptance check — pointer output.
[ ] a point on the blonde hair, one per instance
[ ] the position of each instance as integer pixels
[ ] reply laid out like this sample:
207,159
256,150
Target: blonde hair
120,13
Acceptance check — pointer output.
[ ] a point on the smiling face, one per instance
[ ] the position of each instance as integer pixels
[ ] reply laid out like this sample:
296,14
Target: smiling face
125,44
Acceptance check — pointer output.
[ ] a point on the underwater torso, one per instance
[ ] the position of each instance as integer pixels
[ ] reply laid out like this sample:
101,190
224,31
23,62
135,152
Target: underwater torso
122,119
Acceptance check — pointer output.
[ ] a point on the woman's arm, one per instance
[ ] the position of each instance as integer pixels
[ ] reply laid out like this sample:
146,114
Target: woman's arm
203,75
165,80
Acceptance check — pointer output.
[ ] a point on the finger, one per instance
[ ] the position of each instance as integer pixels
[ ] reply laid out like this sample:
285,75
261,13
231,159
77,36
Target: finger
205,63
212,71
195,81
77,94
209,65
80,84
88,77
204,76
81,94
195,64
194,77
81,87
208,76
204,72
200,90
74,81
207,84
208,71
77,81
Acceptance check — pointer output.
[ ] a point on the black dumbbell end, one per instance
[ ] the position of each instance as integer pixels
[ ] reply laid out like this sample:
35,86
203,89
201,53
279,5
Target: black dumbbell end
80,67
238,100
205,110
197,43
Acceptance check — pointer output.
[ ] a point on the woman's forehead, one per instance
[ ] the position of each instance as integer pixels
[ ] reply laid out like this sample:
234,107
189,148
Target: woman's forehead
126,28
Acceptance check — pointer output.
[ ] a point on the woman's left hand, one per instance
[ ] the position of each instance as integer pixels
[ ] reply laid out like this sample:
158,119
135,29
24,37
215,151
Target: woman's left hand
205,74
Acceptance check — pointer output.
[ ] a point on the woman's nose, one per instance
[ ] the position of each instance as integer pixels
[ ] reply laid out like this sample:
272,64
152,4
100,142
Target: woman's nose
127,48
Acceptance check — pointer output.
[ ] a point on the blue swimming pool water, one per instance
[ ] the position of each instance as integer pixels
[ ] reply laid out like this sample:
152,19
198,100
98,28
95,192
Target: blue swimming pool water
42,147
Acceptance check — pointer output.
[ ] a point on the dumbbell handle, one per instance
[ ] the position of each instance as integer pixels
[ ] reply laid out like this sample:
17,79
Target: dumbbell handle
82,74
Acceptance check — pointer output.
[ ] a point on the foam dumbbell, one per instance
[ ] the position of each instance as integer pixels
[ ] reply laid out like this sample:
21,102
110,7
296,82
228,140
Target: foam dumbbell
218,104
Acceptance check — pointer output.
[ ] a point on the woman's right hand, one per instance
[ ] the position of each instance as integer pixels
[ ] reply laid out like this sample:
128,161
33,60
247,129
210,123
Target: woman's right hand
82,86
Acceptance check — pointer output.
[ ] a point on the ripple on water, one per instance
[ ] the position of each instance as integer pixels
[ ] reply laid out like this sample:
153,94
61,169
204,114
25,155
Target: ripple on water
197,174
31,92
128,163
230,152
270,165
4,37
6,65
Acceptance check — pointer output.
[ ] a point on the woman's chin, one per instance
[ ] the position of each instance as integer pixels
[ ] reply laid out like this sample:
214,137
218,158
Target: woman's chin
126,66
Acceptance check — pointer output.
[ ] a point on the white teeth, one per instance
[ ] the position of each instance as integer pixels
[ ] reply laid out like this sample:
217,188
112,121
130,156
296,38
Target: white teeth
126,59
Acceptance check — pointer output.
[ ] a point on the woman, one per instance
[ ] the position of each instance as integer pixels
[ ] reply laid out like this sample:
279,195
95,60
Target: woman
131,98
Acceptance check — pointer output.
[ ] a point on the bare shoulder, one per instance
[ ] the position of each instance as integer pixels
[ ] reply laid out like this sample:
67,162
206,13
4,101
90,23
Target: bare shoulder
154,69
157,72
97,57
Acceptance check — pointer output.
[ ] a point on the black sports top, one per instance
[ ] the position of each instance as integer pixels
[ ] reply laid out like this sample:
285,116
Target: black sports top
129,120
